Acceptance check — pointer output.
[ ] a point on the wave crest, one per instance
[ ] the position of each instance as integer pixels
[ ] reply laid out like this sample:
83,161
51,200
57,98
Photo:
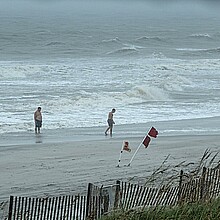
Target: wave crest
148,93
204,35
114,40
125,50
54,43
209,50
146,38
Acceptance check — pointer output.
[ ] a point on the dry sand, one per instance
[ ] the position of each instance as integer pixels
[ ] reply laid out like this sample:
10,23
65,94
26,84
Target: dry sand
63,162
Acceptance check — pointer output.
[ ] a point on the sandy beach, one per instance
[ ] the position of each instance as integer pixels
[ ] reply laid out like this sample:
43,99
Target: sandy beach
157,64
63,162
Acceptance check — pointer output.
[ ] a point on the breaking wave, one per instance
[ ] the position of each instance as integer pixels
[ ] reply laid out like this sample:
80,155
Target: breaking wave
209,50
114,40
124,50
201,36
148,93
146,38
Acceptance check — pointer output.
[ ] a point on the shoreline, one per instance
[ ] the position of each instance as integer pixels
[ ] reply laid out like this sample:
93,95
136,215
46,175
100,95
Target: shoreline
199,126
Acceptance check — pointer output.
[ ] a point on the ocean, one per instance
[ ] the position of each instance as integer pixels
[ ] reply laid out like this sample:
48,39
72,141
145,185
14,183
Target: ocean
151,60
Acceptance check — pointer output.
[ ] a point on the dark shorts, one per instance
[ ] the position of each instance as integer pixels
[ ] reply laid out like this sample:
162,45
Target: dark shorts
38,124
110,122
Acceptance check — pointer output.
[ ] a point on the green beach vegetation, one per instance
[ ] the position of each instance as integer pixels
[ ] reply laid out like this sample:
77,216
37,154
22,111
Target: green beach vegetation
191,211
204,209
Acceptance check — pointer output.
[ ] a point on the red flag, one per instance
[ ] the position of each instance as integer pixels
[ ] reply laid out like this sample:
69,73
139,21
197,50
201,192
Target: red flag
126,146
146,141
153,132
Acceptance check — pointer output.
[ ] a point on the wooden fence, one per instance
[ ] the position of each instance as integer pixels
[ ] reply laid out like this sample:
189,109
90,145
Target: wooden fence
101,200
205,187
96,203
63,207
138,196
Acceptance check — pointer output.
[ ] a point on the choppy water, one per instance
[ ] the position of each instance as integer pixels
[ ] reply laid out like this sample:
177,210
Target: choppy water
78,60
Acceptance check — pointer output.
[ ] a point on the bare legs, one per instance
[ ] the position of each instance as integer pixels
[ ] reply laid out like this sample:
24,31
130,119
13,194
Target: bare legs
109,129
37,130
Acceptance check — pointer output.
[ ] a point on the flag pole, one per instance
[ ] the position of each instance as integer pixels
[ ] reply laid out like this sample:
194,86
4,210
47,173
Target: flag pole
119,160
136,152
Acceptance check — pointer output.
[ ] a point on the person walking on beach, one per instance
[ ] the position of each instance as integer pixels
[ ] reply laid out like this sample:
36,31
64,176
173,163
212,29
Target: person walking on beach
110,122
38,120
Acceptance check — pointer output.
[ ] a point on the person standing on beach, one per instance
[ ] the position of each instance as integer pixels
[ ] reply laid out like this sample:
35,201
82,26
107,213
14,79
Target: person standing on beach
38,120
110,122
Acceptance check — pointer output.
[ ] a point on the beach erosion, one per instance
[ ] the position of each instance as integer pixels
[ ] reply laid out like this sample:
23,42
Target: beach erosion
64,161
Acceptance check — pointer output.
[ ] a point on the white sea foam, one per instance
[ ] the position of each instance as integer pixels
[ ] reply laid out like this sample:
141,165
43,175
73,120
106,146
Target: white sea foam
205,35
148,93
190,49
75,93
208,50
114,40
145,38
128,49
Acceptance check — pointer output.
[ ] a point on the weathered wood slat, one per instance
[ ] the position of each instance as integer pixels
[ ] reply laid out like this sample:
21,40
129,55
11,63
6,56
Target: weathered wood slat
143,196
48,209
144,201
28,208
175,202
133,195
122,196
32,209
127,196
139,195
215,188
68,207
217,183
212,185
78,207
160,197
64,207
129,190
171,196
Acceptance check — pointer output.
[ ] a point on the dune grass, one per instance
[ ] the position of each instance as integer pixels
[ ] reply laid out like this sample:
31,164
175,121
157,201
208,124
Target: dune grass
195,211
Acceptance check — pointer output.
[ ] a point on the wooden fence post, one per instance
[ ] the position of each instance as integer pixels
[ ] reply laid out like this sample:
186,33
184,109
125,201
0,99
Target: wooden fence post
202,189
180,188
88,202
117,194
